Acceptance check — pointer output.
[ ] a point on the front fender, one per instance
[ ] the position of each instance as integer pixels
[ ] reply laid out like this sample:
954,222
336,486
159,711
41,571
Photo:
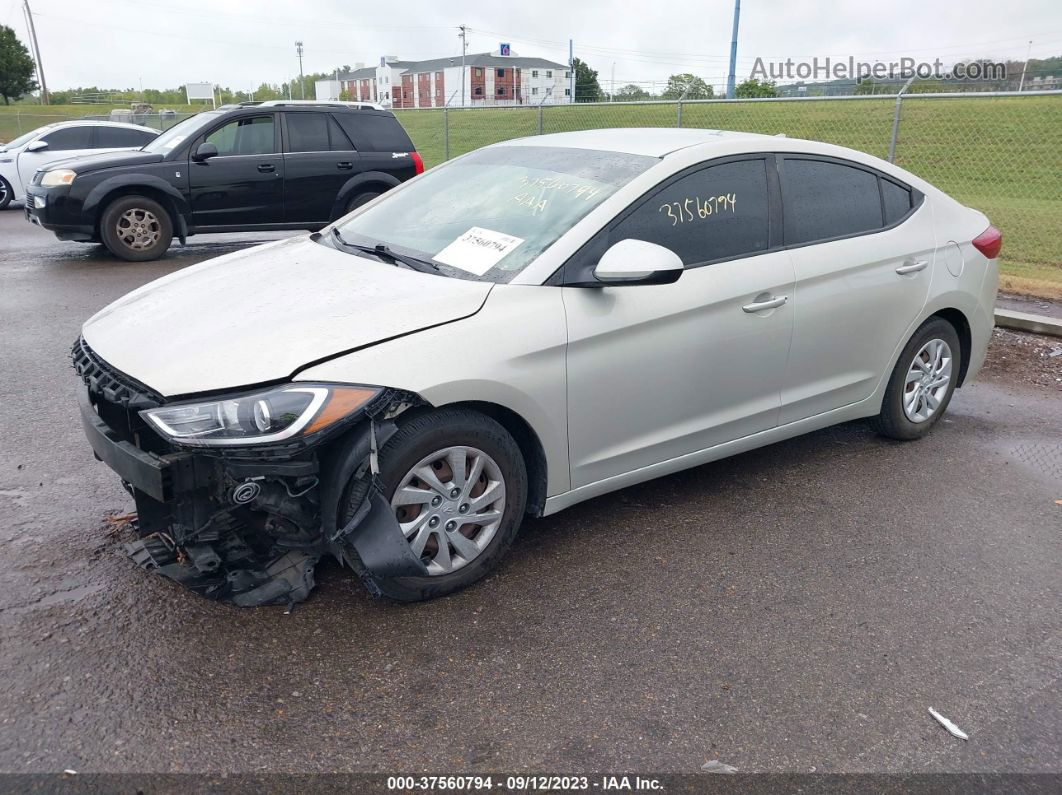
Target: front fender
99,193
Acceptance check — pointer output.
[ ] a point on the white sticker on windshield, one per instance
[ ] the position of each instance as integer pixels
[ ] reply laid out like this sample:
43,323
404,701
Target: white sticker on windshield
478,250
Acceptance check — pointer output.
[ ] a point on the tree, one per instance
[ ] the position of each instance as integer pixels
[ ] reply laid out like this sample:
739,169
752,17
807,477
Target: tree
753,88
631,93
688,85
16,67
587,89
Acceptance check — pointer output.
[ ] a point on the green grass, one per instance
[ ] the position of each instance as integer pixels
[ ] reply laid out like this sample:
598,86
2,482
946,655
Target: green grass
1000,155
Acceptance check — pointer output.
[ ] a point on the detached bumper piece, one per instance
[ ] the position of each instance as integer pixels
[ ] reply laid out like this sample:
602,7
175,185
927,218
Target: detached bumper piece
244,527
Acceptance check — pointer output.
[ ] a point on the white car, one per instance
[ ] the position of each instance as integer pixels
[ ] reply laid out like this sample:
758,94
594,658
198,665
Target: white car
533,324
21,158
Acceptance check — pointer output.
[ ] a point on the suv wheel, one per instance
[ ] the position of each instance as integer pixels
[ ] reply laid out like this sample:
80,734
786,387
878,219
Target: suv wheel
5,193
457,484
360,199
136,228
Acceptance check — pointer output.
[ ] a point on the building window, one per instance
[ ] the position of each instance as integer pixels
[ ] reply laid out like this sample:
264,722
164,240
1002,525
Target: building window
500,72
501,92
549,73
567,75
567,92
477,73
438,75
534,89
534,73
478,91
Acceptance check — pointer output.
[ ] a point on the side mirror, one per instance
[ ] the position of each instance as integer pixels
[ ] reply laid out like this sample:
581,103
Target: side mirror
205,151
630,262
36,146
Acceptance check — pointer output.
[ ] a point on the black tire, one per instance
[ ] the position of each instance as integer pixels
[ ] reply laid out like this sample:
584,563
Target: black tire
893,422
158,227
420,437
362,198
6,193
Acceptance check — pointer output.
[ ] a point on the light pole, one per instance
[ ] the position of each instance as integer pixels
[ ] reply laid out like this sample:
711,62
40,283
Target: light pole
1021,83
464,46
733,52
302,82
36,51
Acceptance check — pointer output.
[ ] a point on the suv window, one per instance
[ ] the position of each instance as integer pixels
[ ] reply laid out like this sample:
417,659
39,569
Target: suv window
117,137
823,199
307,132
251,136
714,213
68,138
374,132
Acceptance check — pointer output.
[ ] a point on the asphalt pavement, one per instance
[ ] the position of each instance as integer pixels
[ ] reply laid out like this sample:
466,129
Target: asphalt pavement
797,608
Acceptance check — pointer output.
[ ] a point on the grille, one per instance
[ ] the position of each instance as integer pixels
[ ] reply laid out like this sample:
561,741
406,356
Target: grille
106,383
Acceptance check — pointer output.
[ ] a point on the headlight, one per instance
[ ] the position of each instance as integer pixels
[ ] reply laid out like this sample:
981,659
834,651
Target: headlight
60,176
260,417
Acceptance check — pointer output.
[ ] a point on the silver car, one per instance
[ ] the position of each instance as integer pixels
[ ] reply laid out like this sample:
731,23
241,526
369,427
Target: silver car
533,324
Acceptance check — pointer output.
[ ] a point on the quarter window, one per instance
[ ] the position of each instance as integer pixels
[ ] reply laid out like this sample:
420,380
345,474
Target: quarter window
823,200
253,136
718,212
897,201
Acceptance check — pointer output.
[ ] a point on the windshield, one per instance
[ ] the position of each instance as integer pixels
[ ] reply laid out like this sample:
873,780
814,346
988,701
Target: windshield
24,139
179,133
488,215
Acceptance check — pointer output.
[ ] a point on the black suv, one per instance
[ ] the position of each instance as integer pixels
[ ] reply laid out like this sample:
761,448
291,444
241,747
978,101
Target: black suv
252,167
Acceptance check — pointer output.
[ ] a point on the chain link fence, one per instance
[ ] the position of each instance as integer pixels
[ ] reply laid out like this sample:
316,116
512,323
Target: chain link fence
998,152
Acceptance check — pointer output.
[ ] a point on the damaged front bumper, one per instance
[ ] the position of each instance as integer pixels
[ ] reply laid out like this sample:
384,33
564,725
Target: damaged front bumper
248,526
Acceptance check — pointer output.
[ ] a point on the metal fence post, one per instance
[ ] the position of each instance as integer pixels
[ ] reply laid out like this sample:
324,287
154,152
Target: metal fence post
540,118
446,133
896,121
679,113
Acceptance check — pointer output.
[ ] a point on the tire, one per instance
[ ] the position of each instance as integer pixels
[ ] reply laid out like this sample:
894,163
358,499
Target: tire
136,228
420,438
360,199
915,419
6,193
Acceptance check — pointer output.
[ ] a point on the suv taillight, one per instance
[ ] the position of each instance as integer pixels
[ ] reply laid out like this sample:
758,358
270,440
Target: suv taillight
989,242
418,163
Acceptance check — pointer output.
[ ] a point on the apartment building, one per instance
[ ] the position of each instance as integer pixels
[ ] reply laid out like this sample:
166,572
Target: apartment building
489,79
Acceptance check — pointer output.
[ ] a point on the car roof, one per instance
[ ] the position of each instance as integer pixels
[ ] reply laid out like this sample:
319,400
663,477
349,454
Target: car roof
648,141
97,123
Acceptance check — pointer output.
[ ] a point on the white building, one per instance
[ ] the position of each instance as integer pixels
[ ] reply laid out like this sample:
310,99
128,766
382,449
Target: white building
489,79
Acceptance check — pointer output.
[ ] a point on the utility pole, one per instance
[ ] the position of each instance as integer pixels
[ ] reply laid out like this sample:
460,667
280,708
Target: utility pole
36,51
571,69
733,52
463,35
1021,83
302,82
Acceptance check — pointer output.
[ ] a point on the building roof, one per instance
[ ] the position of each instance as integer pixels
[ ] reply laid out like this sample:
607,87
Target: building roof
482,59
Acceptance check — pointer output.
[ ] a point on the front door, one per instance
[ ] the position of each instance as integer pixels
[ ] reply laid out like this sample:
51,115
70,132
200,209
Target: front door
318,161
660,371
243,186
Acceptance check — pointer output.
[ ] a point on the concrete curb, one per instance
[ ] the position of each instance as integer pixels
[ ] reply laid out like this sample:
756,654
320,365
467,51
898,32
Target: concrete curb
1025,321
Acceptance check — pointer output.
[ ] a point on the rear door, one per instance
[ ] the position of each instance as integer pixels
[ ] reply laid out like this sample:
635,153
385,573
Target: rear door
243,186
862,247
380,140
62,143
318,160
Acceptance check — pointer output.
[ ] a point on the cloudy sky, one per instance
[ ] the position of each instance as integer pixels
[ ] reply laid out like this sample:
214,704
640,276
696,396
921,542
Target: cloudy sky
165,43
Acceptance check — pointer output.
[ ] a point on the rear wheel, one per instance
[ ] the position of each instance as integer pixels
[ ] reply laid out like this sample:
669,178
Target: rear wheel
457,484
6,193
136,228
360,199
922,383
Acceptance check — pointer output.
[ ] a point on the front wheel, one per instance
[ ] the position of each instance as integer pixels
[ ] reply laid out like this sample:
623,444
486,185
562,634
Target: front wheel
457,484
6,193
136,228
922,383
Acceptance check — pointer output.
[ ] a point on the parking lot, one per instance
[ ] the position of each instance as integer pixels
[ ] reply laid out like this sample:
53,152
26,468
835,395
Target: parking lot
797,608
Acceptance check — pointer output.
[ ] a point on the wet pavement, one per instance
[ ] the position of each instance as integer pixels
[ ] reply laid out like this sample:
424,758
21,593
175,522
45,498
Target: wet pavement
795,608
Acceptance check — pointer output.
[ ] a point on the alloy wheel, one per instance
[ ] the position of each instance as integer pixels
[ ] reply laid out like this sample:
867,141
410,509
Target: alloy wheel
138,229
928,380
449,506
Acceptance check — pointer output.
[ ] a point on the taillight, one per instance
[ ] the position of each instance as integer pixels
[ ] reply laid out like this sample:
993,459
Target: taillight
418,163
989,242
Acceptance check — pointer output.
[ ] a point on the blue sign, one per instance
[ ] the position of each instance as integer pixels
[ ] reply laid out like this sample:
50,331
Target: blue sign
504,49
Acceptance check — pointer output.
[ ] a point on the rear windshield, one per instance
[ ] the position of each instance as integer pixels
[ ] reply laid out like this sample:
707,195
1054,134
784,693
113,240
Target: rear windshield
374,132
489,214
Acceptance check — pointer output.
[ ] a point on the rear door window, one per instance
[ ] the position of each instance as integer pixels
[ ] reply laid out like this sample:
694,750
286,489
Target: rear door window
717,212
824,199
307,132
69,138
374,132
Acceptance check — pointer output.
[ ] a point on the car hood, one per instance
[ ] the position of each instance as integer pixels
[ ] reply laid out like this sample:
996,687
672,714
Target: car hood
264,313
84,163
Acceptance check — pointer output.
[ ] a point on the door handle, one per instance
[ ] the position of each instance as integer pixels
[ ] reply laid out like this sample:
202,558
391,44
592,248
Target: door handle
266,168
912,267
770,303
346,165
